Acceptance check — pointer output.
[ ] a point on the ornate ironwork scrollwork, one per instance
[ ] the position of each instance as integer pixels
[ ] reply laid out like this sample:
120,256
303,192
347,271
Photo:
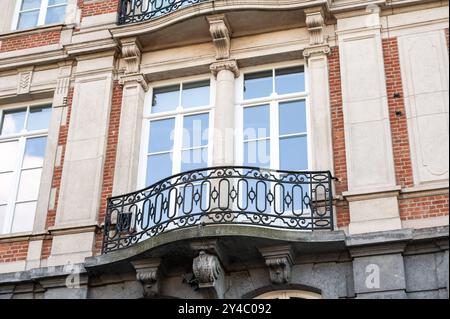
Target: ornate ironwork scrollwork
221,195
132,11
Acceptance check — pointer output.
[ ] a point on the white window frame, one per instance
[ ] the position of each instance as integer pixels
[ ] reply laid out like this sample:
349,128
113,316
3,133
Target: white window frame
179,113
42,13
273,101
22,138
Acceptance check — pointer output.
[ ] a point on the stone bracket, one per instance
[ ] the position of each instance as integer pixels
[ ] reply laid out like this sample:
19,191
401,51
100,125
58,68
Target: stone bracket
279,260
148,274
220,32
131,54
315,22
210,275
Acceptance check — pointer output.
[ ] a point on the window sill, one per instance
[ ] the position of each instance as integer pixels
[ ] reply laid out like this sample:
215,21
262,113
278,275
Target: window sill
38,29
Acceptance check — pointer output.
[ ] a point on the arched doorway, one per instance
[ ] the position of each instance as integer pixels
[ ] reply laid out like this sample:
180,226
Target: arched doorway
289,294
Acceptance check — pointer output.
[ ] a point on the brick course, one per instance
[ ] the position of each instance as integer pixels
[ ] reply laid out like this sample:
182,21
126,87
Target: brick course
16,251
27,41
93,8
424,207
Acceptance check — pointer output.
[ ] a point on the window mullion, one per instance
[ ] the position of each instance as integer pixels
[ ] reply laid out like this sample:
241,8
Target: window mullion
177,145
43,12
15,186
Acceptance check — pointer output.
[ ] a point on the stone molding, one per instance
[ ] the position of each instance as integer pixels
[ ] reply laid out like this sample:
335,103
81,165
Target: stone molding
209,273
220,33
148,273
229,65
279,260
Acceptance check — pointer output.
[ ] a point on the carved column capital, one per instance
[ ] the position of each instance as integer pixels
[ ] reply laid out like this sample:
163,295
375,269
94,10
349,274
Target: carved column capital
230,65
279,261
322,49
220,32
134,79
131,55
209,273
147,273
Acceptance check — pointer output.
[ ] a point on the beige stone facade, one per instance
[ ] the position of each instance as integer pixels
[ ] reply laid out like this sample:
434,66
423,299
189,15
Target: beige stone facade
376,93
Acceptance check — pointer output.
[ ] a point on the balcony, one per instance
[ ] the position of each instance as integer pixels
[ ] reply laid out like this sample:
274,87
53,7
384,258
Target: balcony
133,11
298,201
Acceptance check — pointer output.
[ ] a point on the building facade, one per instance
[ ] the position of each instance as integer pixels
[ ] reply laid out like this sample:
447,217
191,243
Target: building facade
224,149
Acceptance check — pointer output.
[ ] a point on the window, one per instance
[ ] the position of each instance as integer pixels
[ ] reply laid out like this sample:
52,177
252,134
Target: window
273,114
177,129
32,13
23,137
274,119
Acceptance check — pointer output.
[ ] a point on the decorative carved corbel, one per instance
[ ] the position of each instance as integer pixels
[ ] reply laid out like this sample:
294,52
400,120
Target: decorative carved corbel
230,65
148,274
62,86
210,275
220,33
131,54
315,22
279,261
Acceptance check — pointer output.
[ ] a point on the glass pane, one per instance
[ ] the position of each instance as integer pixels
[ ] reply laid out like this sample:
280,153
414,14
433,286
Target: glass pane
39,118
29,184
290,80
24,217
2,217
31,4
13,121
195,131
34,152
257,153
258,85
195,94
55,15
5,187
293,153
161,135
158,167
8,155
28,19
165,99
292,117
256,122
194,159
54,2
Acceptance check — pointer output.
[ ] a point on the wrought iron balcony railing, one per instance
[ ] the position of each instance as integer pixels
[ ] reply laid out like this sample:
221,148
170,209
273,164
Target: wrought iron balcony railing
132,11
221,195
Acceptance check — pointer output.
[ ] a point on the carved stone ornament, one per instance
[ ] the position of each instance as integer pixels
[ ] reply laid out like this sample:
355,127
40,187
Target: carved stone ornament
230,65
209,273
61,92
147,273
315,23
133,79
24,84
220,33
279,261
131,54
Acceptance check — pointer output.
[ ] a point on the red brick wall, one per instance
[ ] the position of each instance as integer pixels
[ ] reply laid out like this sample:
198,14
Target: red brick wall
30,41
97,7
337,121
424,207
15,251
110,157
57,172
399,124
